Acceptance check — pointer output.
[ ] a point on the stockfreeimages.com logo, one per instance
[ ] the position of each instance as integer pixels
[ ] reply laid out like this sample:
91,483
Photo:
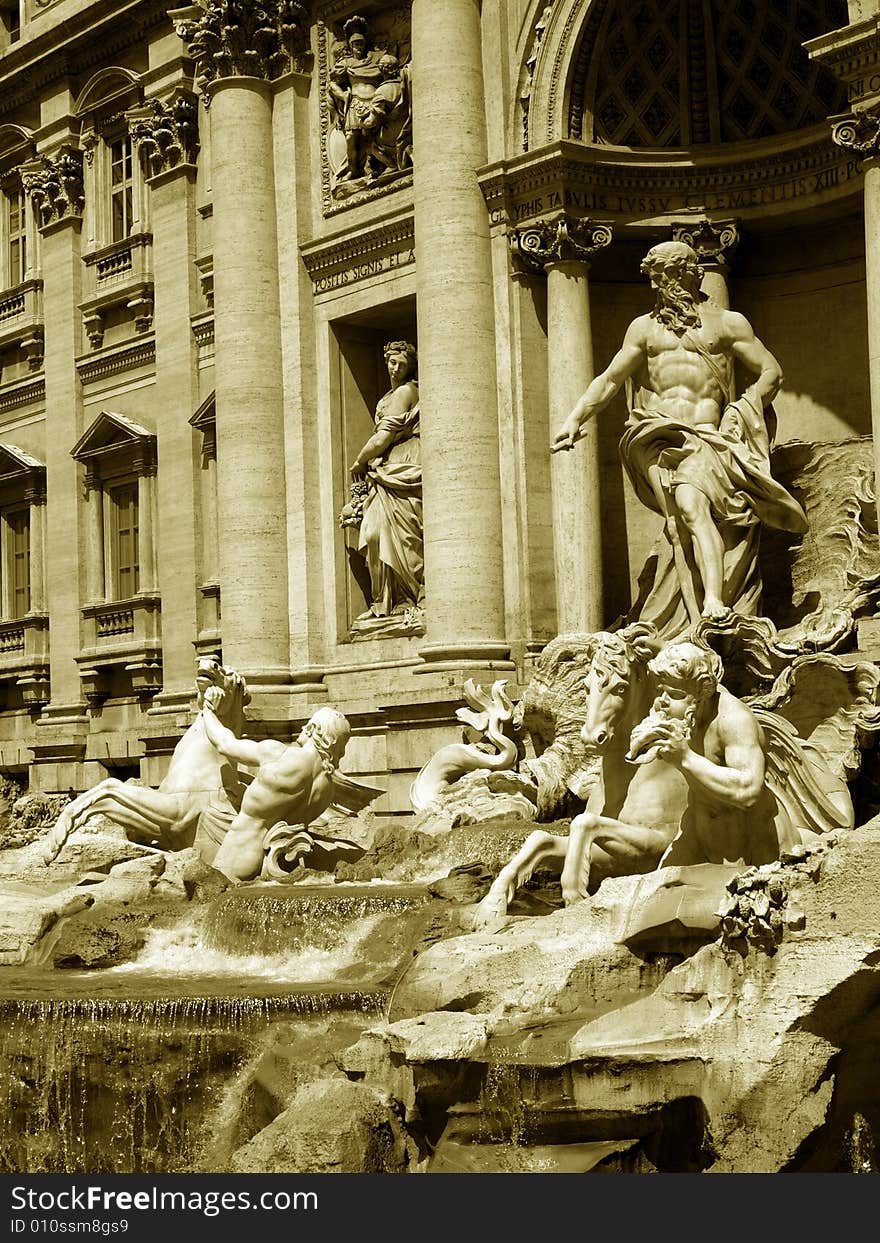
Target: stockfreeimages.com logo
208,1203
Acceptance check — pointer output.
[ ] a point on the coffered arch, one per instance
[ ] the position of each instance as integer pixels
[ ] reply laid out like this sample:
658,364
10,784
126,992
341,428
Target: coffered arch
664,74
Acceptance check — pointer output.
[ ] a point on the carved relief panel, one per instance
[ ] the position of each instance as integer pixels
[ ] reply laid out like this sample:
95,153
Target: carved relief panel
365,80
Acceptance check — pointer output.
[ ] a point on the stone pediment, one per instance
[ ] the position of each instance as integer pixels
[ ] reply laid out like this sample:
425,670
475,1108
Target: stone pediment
17,466
111,432
204,418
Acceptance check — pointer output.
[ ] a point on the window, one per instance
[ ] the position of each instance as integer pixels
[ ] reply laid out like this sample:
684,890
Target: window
11,18
121,188
15,214
123,541
15,532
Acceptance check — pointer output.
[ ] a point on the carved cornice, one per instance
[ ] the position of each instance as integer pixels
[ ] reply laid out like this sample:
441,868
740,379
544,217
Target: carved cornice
537,247
859,132
347,258
55,185
713,240
625,186
22,393
852,53
111,361
240,38
166,132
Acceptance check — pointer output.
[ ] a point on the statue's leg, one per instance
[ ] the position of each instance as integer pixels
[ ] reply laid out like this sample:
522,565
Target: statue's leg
619,849
144,813
676,532
696,513
539,847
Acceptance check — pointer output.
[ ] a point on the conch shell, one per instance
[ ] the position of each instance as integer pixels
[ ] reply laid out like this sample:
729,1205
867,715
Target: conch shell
651,735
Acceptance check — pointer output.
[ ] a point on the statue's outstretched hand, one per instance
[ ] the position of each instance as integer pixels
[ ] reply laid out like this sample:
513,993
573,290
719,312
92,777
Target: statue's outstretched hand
566,436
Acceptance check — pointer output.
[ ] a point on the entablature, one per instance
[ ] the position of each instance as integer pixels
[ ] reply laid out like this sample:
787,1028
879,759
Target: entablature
349,257
636,187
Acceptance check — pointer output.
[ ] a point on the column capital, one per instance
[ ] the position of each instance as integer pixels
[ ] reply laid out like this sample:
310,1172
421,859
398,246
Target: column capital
166,132
859,132
713,240
55,184
564,239
240,38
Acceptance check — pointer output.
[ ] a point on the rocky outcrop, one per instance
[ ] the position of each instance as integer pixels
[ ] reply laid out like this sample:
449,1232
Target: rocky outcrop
752,1053
332,1126
28,919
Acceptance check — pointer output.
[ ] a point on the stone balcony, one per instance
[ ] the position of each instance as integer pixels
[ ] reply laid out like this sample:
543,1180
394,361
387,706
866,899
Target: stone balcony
21,320
24,657
118,276
121,636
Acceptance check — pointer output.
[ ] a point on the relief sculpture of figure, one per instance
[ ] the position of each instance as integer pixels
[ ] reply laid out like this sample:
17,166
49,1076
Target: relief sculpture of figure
695,455
369,95
353,82
391,536
387,123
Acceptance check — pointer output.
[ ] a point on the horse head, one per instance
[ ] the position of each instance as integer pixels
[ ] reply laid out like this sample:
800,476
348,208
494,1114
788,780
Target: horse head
236,695
618,673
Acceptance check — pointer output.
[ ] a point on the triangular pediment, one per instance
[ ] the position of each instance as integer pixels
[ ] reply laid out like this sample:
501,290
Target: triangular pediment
16,464
205,416
110,432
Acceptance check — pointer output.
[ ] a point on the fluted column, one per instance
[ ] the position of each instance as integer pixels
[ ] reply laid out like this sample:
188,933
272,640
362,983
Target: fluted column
562,248
464,585
861,134
56,187
714,241
239,50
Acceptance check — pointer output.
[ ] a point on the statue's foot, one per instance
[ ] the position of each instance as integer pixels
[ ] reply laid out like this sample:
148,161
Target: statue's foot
492,908
571,896
716,610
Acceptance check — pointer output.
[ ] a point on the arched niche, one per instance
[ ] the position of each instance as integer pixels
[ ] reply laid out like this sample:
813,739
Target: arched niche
674,74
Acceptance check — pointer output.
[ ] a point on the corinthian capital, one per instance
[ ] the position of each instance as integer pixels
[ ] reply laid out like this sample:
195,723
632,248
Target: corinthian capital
166,132
55,185
859,132
713,240
240,38
537,246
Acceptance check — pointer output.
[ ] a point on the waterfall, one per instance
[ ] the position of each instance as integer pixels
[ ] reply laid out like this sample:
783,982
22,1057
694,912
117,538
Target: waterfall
122,1084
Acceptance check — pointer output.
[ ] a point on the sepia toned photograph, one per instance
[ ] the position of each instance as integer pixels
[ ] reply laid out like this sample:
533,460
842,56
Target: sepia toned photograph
439,590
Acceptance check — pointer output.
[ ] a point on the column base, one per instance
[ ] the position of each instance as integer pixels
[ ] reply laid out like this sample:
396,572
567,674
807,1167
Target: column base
480,654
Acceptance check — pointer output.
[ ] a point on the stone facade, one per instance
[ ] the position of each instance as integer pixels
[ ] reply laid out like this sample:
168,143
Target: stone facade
191,340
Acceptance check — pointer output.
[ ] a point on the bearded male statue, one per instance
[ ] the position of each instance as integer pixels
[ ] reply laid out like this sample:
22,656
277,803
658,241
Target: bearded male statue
695,454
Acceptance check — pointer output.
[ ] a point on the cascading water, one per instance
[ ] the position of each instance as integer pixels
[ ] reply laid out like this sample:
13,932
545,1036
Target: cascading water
149,1066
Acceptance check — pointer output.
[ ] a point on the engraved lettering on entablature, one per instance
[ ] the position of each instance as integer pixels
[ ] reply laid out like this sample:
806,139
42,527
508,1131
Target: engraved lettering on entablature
366,104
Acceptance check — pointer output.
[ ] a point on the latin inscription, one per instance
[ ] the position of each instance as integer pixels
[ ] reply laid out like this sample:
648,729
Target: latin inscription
362,271
602,201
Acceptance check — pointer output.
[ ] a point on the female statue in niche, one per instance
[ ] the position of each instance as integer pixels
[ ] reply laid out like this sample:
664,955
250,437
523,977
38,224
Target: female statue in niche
387,504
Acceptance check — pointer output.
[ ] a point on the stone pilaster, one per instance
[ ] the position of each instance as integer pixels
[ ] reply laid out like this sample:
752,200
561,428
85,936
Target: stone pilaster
56,187
166,135
458,391
860,133
562,248
239,48
714,241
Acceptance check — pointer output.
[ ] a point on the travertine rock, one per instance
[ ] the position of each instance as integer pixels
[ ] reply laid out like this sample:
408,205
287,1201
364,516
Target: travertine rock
332,1126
